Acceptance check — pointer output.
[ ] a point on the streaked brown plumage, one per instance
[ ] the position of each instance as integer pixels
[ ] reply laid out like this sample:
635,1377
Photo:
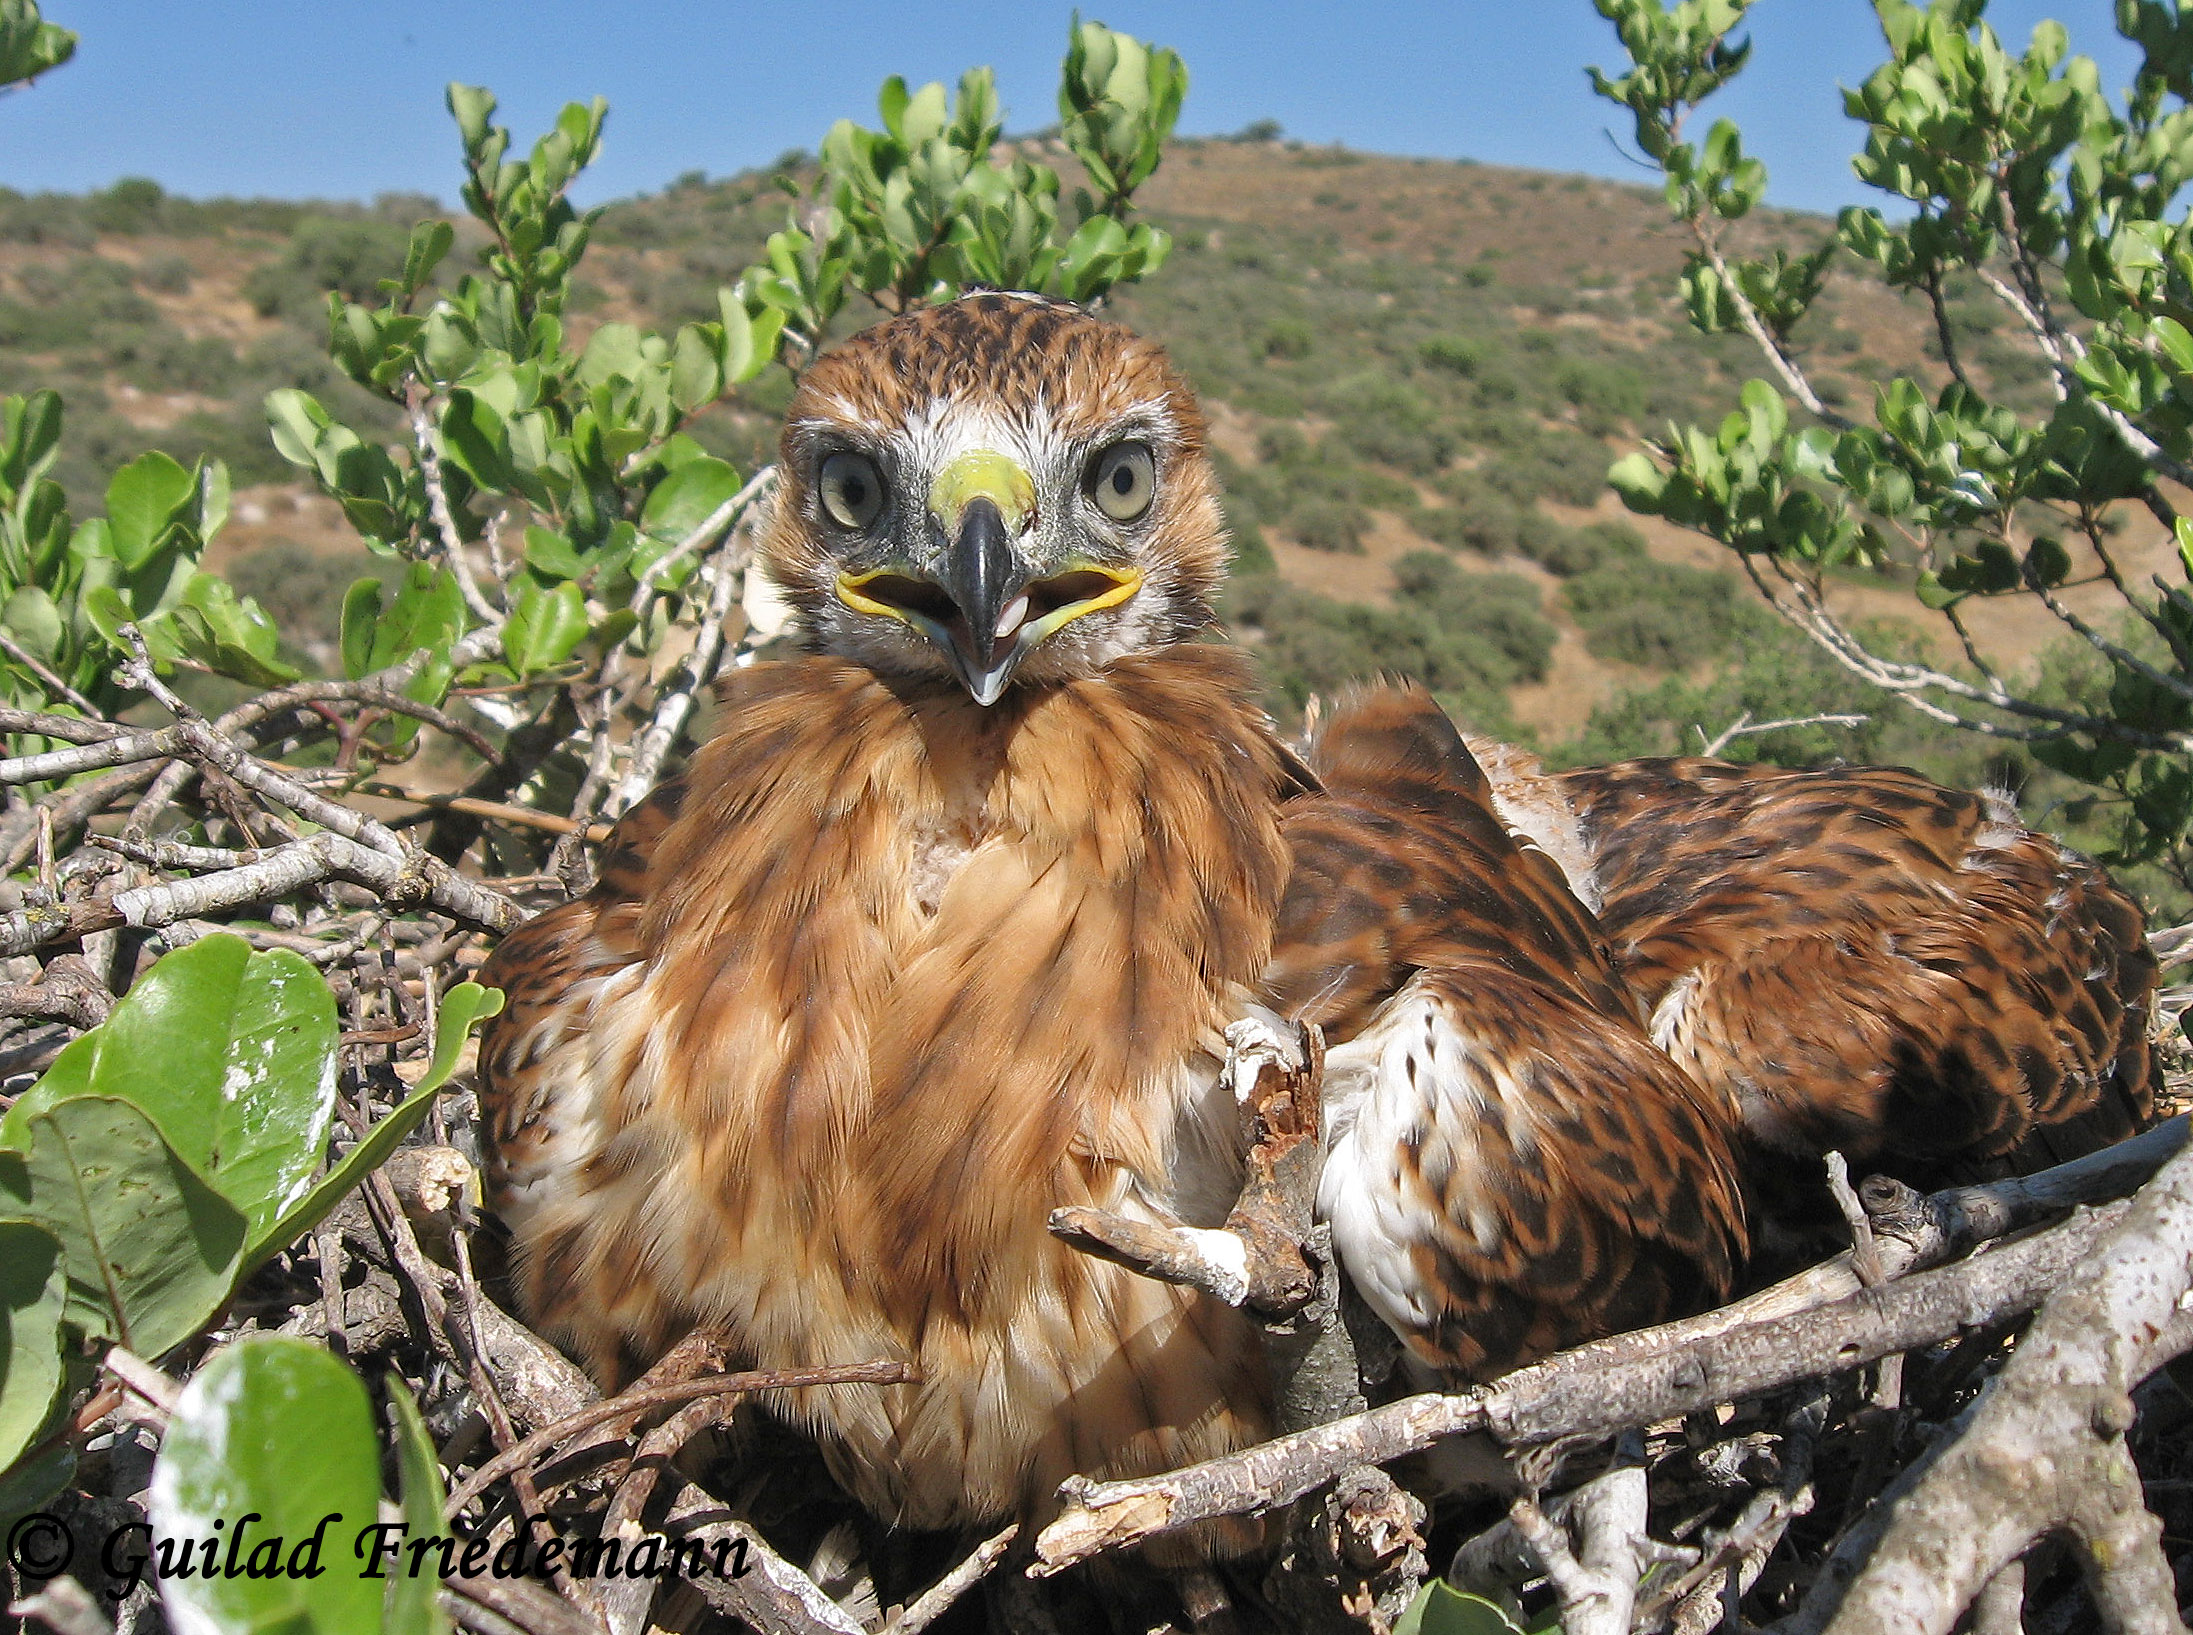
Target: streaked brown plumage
942,929
1868,962
1511,1165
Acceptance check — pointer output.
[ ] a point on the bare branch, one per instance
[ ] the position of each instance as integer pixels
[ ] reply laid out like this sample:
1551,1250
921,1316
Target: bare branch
2043,1448
940,1597
1595,1390
437,500
675,707
1744,727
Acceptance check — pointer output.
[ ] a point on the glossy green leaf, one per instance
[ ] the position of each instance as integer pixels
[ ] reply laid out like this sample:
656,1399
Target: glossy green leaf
544,628
144,501
413,1602
232,635
688,497
150,1248
232,1054
1441,1609
427,611
33,1297
465,1007
551,555
280,1430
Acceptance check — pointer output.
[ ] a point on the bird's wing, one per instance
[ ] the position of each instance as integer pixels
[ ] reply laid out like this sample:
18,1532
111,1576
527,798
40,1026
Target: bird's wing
1873,963
1511,1165
535,1089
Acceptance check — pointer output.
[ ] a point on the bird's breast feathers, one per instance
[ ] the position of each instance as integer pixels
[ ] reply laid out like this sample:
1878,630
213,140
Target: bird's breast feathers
899,976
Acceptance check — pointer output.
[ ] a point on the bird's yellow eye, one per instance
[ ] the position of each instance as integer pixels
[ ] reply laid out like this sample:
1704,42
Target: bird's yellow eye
851,489
1123,481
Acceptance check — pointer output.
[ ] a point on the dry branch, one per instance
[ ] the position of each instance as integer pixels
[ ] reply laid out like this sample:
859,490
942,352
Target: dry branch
1595,1390
2043,1449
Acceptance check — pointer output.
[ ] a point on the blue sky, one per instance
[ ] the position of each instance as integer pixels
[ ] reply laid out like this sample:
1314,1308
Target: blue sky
343,98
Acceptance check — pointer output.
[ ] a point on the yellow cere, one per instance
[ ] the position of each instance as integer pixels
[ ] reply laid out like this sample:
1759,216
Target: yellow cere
982,474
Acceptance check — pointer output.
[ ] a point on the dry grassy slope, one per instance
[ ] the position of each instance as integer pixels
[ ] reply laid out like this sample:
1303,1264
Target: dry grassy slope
1572,231
1597,235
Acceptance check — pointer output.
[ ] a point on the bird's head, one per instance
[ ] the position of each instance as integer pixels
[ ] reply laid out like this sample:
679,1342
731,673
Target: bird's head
1002,486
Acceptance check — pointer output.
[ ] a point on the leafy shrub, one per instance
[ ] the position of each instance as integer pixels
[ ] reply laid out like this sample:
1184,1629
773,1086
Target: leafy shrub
349,256
162,359
1556,465
167,274
1660,614
135,204
1458,638
1457,354
1329,525
1389,421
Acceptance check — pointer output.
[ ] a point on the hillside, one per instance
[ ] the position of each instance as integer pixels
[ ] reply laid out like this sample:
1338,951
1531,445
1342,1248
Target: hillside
1417,372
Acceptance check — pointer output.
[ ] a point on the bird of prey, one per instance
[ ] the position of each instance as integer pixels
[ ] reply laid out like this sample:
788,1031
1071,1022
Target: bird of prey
943,929
1863,961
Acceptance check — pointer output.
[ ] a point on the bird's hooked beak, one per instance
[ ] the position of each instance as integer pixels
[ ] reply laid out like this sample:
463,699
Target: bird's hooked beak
980,605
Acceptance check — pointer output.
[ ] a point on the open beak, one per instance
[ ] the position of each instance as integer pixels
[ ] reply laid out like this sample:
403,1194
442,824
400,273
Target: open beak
981,608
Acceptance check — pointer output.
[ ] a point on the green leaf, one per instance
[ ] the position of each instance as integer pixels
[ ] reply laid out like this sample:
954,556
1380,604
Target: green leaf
428,612
472,106
32,616
144,501
230,636
551,555
1638,481
688,497
430,241
232,1054
297,422
413,1602
280,1430
2048,561
353,1167
464,1008
33,1296
544,627
1441,1609
149,1246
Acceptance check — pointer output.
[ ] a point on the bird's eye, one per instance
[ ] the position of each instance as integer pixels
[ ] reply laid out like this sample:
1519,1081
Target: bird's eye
851,489
1123,481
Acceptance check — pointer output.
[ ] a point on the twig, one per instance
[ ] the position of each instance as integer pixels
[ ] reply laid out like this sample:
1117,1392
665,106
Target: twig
676,705
932,1604
631,1404
437,500
774,1597
1865,1255
524,816
1597,1581
141,1377
1744,727
30,661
